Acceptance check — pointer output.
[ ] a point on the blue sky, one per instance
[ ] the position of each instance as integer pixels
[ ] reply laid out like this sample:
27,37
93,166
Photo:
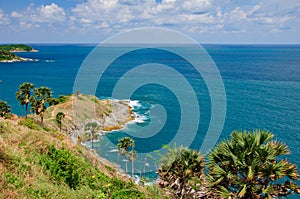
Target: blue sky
207,21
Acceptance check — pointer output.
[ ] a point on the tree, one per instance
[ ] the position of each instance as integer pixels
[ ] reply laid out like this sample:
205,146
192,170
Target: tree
58,119
248,166
123,148
39,100
181,171
24,94
53,101
4,109
91,127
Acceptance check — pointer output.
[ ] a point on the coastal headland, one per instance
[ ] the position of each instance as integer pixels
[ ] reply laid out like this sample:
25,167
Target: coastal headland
80,110
7,52
40,161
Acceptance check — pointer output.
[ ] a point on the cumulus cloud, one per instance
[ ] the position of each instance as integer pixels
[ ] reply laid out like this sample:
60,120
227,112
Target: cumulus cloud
183,15
125,14
3,18
33,17
50,13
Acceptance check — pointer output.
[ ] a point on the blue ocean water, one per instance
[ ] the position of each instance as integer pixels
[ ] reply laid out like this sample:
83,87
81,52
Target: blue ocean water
262,84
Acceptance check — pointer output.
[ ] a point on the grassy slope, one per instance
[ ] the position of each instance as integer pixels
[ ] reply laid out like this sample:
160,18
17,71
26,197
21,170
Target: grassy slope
41,162
38,162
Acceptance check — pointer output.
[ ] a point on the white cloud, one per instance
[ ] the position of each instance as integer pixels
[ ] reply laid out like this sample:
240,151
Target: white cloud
33,17
15,14
195,16
3,18
50,13
139,13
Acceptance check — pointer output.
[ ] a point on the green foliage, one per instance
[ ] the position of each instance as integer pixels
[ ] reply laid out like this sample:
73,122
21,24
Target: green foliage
58,118
16,47
66,168
53,101
62,98
181,170
127,194
91,126
63,166
35,164
23,95
39,100
30,123
248,166
123,149
90,135
3,127
124,144
6,55
5,109
12,180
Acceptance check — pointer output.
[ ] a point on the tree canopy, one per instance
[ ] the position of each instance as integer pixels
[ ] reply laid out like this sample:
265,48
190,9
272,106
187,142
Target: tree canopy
248,165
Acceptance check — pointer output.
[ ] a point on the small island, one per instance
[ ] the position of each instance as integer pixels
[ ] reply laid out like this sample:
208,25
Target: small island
7,52
17,48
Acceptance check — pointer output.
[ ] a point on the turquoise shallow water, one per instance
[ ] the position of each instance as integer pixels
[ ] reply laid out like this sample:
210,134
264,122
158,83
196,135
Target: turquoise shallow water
262,85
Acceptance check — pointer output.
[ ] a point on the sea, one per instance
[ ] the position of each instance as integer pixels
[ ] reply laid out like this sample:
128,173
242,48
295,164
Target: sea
261,84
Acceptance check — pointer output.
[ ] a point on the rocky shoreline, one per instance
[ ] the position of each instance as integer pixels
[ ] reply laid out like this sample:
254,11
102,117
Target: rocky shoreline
82,110
121,113
21,59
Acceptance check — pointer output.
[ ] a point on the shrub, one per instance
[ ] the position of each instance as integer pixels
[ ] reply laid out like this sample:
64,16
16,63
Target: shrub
63,166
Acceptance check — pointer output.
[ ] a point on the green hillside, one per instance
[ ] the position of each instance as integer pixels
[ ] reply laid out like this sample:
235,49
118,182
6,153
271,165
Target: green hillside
41,162
16,47
7,55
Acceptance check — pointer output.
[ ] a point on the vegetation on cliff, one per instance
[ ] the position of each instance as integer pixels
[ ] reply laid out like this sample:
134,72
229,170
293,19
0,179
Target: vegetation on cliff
16,48
41,160
7,55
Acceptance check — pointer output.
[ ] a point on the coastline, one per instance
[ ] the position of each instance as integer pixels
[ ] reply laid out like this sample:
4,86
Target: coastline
14,58
24,51
21,59
108,115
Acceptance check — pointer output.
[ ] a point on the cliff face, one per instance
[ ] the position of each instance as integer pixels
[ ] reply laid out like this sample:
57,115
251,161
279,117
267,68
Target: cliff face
80,110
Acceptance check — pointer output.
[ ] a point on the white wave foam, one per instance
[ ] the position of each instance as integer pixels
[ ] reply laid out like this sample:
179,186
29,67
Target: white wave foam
49,60
140,118
134,104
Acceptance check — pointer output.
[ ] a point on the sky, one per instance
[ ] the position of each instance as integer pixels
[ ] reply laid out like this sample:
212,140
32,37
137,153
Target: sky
206,21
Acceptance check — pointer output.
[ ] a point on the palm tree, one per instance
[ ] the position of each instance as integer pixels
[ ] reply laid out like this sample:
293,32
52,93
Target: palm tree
247,166
4,109
39,99
123,148
91,127
181,171
23,95
58,119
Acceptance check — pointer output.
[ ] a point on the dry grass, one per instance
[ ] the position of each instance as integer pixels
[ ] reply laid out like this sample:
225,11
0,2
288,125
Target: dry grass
23,144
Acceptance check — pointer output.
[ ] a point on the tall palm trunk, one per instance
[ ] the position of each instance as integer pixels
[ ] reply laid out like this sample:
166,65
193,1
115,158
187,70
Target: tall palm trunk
132,161
26,110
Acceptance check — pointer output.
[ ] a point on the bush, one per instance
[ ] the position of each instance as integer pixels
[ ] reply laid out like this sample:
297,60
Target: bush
63,166
30,123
